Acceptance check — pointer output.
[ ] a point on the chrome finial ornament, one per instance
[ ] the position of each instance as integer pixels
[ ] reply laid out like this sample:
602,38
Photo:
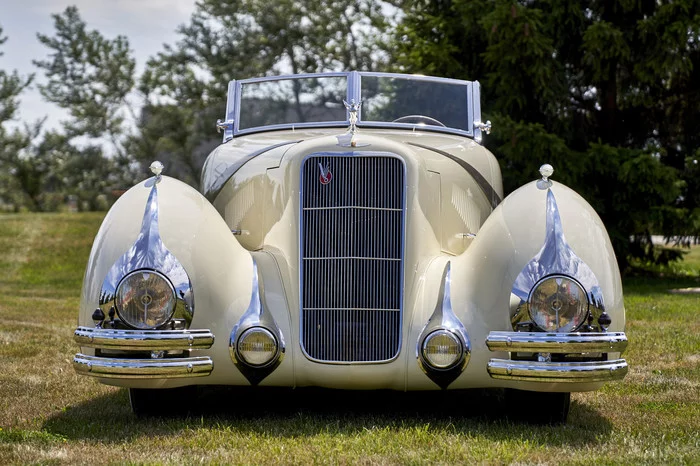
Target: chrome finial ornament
353,114
157,168
546,171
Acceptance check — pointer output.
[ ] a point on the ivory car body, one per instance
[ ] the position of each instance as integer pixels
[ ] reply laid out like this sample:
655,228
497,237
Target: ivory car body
352,233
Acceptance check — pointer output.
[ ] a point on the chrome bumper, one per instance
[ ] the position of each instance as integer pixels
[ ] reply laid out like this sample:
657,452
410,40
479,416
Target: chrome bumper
143,340
557,343
534,342
142,368
140,341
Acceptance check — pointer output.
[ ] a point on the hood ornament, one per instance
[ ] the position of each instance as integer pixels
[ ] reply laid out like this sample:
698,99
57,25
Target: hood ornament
326,176
353,115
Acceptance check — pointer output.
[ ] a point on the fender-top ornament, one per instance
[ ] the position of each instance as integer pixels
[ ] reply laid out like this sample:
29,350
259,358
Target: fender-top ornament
157,168
546,171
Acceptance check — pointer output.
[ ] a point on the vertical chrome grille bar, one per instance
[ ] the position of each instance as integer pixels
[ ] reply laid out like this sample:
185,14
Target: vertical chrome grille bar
351,241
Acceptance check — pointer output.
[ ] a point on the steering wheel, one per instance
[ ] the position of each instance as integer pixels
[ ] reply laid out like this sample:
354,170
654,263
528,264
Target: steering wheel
418,119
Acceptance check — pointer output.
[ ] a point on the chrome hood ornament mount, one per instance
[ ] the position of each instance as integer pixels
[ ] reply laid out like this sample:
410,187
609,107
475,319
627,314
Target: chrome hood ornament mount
349,139
557,257
149,253
444,318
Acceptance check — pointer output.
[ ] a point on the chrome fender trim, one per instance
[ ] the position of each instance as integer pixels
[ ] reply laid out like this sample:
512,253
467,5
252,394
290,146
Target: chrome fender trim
444,318
143,340
148,252
574,372
142,368
538,342
257,315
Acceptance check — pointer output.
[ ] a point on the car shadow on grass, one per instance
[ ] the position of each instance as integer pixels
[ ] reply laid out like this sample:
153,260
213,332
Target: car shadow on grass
310,412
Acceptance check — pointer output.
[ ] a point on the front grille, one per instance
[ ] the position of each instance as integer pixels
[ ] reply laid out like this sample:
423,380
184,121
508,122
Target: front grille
352,258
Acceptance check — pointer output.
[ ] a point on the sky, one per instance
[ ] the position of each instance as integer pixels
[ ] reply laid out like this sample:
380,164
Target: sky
147,24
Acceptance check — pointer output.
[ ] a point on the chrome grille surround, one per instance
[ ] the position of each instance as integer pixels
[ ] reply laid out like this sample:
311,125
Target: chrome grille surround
351,236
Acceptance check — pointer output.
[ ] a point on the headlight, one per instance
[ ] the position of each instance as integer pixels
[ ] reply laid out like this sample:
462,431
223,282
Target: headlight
558,304
145,299
257,346
442,349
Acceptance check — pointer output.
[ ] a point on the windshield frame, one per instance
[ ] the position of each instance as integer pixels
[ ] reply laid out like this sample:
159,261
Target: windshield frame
353,92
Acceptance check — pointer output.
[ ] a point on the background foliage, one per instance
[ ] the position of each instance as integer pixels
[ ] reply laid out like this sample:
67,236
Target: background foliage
608,92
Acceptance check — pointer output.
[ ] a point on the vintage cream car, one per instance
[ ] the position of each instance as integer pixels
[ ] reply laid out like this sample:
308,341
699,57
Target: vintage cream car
352,233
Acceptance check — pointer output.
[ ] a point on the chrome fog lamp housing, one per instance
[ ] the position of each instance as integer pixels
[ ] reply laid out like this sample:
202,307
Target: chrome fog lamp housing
558,303
442,350
257,347
145,299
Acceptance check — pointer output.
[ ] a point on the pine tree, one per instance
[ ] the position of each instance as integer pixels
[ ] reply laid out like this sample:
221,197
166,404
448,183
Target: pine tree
606,91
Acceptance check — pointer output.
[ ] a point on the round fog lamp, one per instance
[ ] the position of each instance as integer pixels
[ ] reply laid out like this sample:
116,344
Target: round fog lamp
558,304
145,299
257,346
442,349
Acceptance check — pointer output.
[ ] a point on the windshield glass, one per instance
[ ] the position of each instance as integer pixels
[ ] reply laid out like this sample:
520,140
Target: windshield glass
387,100
288,101
406,100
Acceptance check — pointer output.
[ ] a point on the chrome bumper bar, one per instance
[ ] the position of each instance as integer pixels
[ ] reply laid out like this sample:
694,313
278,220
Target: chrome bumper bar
142,368
534,371
534,342
557,343
143,340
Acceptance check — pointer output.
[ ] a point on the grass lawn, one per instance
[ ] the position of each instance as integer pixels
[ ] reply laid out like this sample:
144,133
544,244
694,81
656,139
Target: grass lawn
50,415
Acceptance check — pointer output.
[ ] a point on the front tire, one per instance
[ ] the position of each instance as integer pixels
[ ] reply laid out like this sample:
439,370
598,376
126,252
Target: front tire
537,407
162,402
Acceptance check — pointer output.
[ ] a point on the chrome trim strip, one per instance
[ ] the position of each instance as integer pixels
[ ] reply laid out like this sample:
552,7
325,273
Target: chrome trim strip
230,110
335,74
292,126
142,368
360,124
351,309
490,193
536,342
143,340
149,252
370,154
352,257
475,110
571,372
359,207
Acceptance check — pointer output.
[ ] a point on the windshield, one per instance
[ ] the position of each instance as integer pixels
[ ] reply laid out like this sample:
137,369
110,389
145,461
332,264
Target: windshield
391,99
287,101
387,100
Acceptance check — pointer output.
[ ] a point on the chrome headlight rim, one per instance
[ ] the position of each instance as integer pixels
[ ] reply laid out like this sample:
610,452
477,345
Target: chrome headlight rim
584,314
442,332
170,313
270,334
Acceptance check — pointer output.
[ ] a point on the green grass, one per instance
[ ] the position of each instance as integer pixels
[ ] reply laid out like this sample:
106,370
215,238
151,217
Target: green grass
50,415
